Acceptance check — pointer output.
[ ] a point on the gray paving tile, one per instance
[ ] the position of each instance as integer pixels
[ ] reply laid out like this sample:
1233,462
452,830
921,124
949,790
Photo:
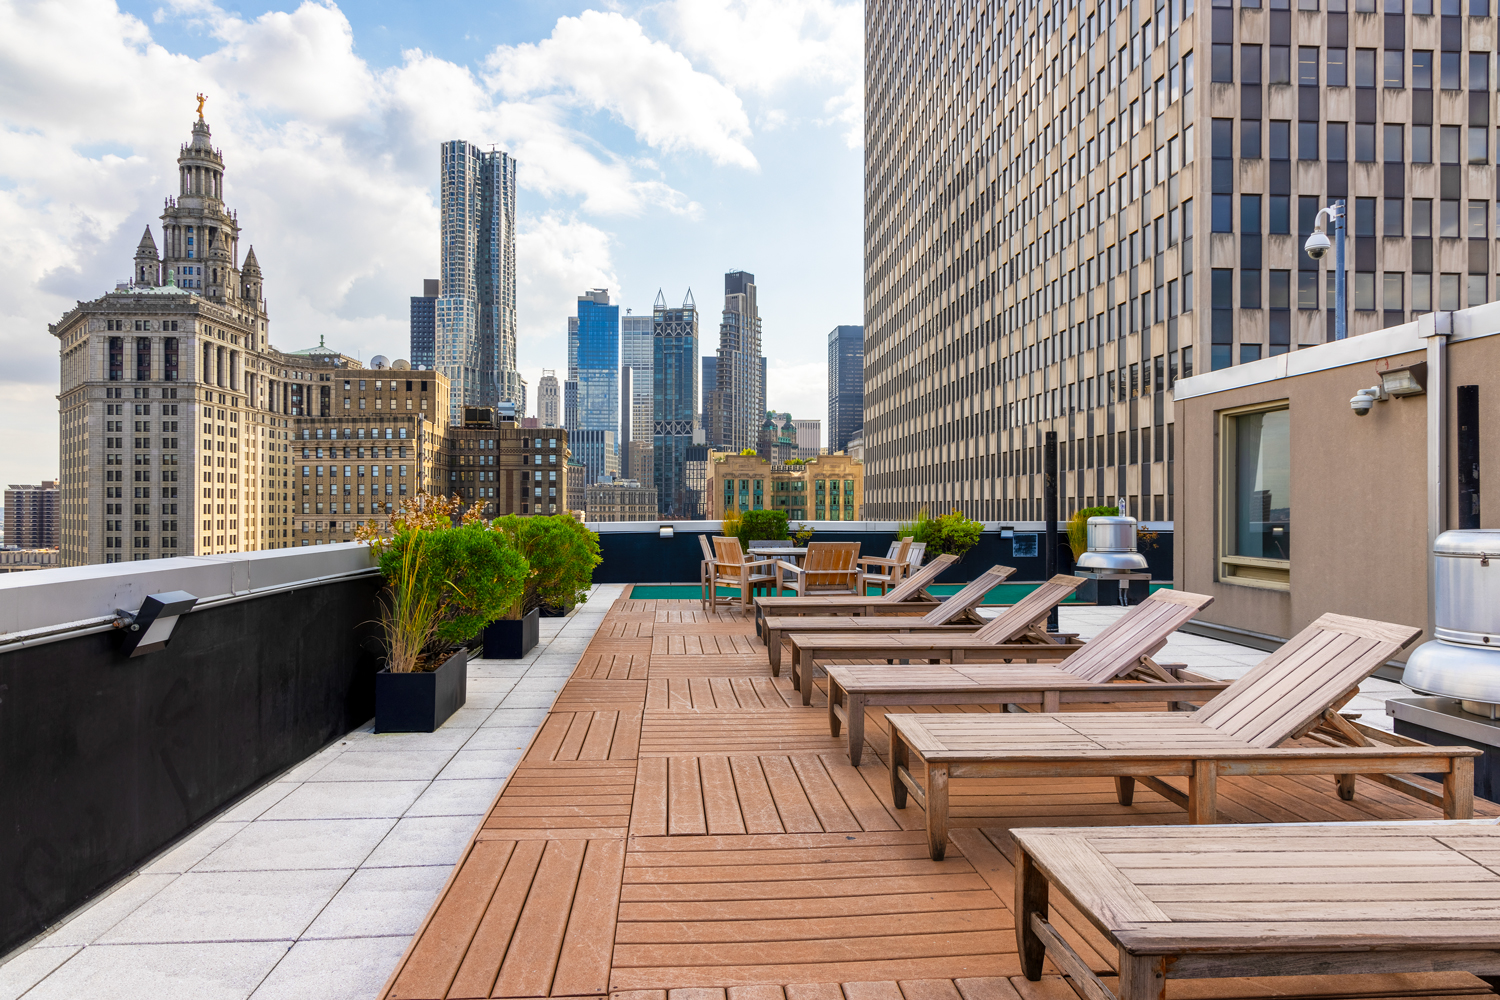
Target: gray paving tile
284,845
341,969
423,840
348,800
481,764
393,765
227,970
507,717
443,739
30,967
86,925
258,802
459,797
197,847
230,906
380,901
500,738
468,717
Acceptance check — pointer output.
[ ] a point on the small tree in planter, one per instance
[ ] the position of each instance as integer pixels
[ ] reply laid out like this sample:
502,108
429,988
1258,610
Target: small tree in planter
762,526
447,576
562,554
952,533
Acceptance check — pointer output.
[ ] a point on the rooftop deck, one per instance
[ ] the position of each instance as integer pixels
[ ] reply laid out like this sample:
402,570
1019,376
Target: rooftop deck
677,827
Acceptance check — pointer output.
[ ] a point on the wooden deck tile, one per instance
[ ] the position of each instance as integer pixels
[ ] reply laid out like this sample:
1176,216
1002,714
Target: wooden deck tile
682,828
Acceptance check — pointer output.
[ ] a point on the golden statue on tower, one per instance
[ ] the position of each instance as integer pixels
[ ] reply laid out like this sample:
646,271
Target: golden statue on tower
201,99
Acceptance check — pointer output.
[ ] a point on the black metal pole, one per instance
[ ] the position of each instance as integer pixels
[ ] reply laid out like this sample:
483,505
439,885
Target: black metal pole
1468,456
1049,511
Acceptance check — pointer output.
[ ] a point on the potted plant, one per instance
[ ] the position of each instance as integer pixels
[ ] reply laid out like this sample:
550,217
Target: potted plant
762,526
444,582
952,533
561,554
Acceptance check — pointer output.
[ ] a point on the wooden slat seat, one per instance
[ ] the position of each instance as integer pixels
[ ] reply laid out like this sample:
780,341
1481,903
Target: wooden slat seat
1089,675
910,594
1186,902
1291,693
732,567
1018,633
944,616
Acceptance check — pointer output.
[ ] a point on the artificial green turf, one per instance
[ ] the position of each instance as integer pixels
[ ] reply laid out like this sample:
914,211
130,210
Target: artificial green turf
1005,593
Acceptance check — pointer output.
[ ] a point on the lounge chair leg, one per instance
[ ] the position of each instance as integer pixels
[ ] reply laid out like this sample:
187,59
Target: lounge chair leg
773,650
899,759
1203,792
835,699
1458,789
1031,897
937,810
807,680
854,712
1346,786
1125,789
796,665
1142,977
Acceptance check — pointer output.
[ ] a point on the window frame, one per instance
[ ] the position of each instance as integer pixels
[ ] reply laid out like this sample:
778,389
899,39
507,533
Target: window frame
1243,571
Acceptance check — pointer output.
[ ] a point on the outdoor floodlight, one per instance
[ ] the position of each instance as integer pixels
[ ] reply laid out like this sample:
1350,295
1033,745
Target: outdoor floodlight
150,628
1410,381
665,531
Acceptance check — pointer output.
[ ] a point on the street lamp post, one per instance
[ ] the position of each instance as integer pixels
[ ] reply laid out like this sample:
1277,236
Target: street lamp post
1317,246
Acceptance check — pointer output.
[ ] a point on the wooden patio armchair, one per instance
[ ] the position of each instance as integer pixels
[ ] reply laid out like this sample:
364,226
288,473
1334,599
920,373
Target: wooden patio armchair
706,579
732,568
942,617
1017,633
886,573
909,597
829,568
1092,673
1295,692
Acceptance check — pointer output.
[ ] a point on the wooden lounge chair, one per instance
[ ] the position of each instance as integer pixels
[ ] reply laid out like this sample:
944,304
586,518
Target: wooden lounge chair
1294,692
1089,675
1350,912
886,573
942,618
1017,633
909,597
706,574
731,566
829,568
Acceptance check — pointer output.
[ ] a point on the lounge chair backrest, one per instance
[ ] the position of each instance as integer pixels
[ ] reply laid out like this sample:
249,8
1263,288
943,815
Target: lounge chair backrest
954,606
914,556
913,585
1139,632
1313,671
1029,610
708,551
831,565
729,557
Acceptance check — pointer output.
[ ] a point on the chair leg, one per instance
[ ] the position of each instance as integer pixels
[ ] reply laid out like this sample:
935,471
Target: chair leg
1125,790
854,713
1203,792
1346,786
1458,789
937,810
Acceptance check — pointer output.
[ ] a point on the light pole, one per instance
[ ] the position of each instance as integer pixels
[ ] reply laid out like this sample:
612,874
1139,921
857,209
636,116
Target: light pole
1317,246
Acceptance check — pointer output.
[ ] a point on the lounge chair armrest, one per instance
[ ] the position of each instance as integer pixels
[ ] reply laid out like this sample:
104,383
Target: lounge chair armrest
790,567
880,561
759,562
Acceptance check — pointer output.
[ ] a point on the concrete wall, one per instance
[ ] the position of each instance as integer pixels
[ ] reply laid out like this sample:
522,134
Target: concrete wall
1359,520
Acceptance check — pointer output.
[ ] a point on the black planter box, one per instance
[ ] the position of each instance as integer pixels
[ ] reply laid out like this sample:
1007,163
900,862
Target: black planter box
510,639
420,702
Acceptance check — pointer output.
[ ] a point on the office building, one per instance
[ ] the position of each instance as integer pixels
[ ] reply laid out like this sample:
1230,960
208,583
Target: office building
809,436
624,500
492,461
675,426
695,474
708,379
26,560
1040,183
598,452
548,400
475,316
594,357
635,354
423,311
734,407
33,516
826,488
577,488
846,385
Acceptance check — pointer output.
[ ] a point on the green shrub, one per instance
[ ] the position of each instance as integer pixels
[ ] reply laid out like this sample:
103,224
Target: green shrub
952,533
562,555
762,526
1078,527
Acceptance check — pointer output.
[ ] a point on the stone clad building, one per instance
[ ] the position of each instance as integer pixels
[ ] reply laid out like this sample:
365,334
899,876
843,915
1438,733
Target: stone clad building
825,488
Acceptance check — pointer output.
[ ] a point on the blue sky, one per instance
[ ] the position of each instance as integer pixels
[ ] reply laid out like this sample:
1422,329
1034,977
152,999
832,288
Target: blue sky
660,145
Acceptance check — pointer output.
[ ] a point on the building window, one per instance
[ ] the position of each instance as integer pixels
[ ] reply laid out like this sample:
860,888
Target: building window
1255,496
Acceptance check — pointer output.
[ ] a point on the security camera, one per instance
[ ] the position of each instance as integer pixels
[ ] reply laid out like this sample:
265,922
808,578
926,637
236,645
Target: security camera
1317,245
1362,400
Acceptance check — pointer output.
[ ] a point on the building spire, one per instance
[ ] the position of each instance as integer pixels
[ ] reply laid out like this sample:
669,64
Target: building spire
661,300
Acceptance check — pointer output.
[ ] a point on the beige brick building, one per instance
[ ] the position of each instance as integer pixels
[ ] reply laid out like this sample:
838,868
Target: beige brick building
826,488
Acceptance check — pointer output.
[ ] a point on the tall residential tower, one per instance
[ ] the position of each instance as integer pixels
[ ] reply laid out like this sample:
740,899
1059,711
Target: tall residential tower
675,390
736,403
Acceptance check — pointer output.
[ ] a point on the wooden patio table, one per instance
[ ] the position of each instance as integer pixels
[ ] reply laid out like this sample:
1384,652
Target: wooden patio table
1263,900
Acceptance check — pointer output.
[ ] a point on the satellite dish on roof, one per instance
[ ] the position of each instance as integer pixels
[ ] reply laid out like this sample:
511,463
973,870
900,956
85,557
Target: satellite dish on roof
380,361
401,365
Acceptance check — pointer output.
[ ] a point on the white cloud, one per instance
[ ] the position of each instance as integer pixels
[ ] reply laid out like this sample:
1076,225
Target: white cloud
764,46
563,257
605,62
798,389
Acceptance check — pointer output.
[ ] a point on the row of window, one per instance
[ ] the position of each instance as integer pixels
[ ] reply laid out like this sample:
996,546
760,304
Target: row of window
1366,291
1453,219
1372,67
1455,144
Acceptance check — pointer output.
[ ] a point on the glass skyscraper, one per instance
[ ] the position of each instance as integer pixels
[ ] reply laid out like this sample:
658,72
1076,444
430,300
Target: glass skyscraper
422,323
594,358
474,318
675,365
846,385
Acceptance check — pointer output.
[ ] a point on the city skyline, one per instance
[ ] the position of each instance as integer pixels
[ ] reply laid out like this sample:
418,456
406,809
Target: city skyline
627,186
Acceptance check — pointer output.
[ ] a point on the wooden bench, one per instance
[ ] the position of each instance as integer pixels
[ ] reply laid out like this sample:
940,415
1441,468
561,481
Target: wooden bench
1197,902
941,618
1295,692
1018,633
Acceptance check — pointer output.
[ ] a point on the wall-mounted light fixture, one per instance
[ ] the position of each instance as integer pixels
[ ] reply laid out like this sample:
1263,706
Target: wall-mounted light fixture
1408,381
665,531
150,628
